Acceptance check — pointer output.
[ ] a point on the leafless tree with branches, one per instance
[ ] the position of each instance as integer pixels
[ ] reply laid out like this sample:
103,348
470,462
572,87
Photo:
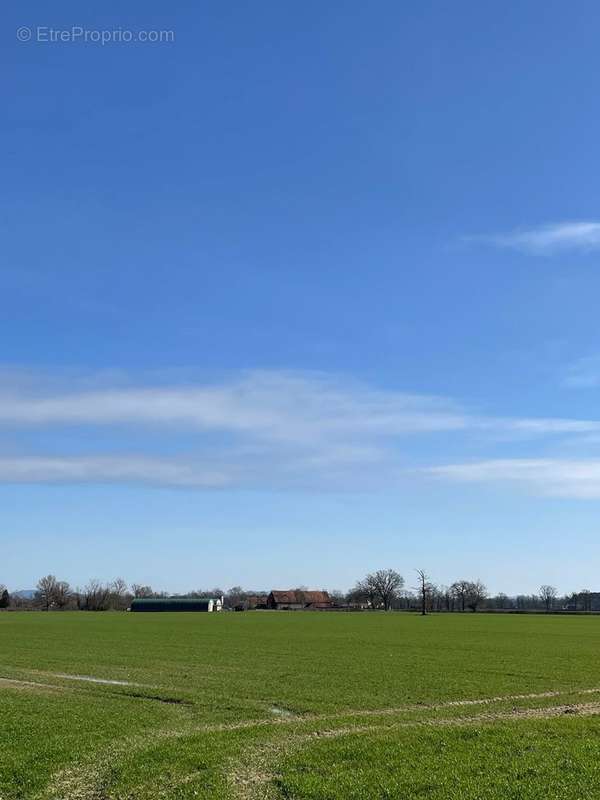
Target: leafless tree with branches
548,595
380,588
46,590
469,594
424,589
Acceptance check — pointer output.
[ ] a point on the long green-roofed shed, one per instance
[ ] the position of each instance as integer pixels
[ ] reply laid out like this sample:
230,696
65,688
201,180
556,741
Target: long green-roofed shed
175,604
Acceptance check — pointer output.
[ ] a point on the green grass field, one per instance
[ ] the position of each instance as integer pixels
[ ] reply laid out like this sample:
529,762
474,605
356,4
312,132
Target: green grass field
298,705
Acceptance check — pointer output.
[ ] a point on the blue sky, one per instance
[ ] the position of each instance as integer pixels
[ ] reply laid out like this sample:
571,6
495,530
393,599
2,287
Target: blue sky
309,290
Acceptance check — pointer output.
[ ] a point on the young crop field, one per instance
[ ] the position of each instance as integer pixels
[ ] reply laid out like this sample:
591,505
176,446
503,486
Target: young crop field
298,705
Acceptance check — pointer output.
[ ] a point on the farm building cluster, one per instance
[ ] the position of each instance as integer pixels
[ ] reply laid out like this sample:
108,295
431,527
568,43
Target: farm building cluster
276,600
288,600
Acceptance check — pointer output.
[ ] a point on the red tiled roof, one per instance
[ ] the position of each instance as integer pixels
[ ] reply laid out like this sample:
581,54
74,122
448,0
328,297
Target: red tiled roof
292,597
316,597
285,596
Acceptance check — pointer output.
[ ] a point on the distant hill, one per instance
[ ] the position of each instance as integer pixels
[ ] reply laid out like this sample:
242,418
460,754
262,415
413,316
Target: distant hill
26,594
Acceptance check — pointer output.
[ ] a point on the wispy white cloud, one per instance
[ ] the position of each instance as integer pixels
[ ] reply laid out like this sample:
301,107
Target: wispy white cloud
542,426
113,469
285,406
256,429
264,429
548,239
546,476
268,405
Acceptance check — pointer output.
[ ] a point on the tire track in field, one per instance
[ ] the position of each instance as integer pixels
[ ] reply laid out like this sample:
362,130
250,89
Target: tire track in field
89,679
88,780
32,686
481,701
84,685
283,715
69,676
252,778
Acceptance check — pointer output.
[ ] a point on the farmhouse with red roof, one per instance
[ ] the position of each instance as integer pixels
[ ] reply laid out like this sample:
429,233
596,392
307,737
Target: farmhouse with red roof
298,600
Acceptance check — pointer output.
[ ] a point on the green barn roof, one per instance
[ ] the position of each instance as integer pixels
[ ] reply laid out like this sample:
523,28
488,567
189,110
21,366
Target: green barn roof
170,604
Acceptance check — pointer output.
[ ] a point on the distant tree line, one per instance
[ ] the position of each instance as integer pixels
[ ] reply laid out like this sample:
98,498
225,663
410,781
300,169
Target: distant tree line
382,590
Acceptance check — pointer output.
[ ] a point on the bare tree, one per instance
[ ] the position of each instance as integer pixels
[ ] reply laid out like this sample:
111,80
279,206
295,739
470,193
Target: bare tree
338,597
585,595
469,594
477,595
424,589
236,597
548,595
502,601
119,594
79,598
62,594
364,591
446,599
45,591
460,592
96,596
434,597
141,591
572,600
386,584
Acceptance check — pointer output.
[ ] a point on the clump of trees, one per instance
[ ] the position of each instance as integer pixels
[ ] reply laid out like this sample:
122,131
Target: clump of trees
56,595
468,594
380,589
52,593
384,590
